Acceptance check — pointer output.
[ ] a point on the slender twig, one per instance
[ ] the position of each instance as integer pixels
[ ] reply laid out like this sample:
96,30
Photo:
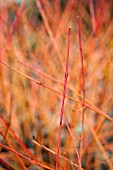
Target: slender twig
76,150
50,33
49,151
17,139
101,147
83,87
94,108
5,164
54,153
9,119
11,147
63,99
25,157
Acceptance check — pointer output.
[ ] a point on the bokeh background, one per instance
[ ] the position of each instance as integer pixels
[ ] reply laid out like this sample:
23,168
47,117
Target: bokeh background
33,40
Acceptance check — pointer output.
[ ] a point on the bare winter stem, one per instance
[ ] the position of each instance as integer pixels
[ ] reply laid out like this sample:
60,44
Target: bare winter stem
63,99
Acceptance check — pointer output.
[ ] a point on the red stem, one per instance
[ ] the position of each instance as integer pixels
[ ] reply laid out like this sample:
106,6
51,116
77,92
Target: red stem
63,99
27,158
5,164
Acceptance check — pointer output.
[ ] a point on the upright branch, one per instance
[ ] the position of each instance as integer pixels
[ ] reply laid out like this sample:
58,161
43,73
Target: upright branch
63,99
83,87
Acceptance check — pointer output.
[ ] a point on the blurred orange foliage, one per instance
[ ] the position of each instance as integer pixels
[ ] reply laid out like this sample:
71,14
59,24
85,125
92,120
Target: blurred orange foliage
33,49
